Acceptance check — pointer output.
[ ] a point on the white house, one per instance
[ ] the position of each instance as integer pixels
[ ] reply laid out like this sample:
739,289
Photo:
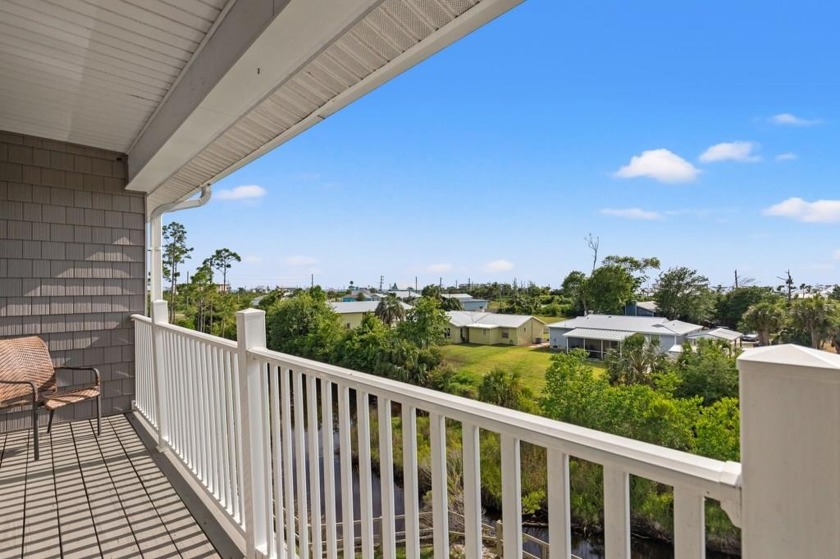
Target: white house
598,333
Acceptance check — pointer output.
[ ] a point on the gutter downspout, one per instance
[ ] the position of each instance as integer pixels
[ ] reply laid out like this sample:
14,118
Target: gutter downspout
156,232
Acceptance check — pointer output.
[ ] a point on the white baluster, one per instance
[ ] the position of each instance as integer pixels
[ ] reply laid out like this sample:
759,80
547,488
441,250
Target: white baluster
472,492
386,475
511,497
314,465
616,513
689,524
329,466
300,467
559,517
365,481
347,527
440,500
411,491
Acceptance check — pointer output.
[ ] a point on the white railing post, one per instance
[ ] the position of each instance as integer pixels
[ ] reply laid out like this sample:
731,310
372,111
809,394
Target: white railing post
790,451
160,315
250,333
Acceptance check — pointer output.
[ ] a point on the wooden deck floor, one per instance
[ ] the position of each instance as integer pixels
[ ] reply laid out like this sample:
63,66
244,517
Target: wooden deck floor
91,497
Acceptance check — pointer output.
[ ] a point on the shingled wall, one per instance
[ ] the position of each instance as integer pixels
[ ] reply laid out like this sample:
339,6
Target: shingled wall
72,261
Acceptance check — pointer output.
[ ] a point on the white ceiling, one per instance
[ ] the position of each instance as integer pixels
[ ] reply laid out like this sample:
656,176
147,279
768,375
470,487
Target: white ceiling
93,72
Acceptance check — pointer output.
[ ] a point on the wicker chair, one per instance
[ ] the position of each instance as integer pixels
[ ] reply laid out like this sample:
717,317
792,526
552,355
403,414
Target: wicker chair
27,377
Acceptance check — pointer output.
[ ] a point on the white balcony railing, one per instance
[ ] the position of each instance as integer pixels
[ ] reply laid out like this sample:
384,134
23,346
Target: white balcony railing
258,430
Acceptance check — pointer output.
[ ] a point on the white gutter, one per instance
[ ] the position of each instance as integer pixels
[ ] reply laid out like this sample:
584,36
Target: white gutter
156,233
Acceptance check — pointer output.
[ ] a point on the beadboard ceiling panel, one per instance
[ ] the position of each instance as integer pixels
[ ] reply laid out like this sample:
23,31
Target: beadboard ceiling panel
94,71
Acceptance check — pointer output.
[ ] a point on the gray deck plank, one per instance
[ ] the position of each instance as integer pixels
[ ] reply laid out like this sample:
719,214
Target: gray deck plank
185,532
115,536
16,456
75,518
149,531
91,497
41,536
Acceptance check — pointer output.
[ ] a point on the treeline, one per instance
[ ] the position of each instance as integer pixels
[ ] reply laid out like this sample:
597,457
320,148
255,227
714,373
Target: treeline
201,303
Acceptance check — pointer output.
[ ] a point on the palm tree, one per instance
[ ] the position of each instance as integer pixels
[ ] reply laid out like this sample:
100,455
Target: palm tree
813,315
765,318
390,310
451,304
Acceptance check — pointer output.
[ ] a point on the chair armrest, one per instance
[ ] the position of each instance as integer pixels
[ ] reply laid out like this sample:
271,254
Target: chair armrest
93,369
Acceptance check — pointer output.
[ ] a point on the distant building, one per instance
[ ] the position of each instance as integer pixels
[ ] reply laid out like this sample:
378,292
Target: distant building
641,308
599,333
352,312
405,294
468,302
493,329
361,295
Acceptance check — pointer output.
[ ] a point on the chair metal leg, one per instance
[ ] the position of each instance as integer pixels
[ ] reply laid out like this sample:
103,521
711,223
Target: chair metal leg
99,415
35,429
49,423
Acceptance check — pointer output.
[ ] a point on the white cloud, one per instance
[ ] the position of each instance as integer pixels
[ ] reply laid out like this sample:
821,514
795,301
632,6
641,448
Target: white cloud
787,119
659,164
731,151
818,211
439,268
837,254
252,259
632,213
299,260
244,192
787,157
498,266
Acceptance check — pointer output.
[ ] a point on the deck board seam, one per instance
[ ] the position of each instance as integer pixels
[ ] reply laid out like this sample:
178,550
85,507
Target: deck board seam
84,485
113,484
145,489
55,490
29,448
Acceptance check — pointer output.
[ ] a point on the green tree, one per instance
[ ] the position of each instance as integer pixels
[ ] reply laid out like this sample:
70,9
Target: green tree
731,306
222,260
451,304
636,267
506,389
574,289
609,288
636,362
815,316
708,371
424,323
765,318
303,325
390,310
360,349
175,253
683,294
718,431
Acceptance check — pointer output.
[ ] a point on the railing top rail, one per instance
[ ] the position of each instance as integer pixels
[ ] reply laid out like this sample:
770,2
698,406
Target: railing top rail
207,338
716,479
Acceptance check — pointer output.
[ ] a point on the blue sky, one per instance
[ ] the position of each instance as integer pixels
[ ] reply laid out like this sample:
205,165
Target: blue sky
704,134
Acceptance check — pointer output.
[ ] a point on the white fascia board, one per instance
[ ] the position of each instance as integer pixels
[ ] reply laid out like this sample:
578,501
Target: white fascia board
463,25
257,47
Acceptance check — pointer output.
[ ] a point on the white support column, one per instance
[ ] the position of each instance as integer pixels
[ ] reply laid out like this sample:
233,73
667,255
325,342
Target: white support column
156,257
250,333
790,452
160,315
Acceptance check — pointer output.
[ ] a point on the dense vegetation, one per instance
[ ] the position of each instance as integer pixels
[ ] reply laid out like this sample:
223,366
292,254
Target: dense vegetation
688,404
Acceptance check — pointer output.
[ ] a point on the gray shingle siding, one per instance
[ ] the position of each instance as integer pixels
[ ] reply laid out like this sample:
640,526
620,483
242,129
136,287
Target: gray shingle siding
72,261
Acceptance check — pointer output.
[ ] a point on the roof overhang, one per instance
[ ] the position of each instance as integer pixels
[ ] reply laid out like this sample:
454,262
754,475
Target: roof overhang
191,93
312,59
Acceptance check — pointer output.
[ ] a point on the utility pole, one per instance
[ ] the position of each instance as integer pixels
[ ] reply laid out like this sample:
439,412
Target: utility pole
415,283
381,282
311,281
736,279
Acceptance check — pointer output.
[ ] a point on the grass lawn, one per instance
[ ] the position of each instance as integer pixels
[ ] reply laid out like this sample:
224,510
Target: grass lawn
478,360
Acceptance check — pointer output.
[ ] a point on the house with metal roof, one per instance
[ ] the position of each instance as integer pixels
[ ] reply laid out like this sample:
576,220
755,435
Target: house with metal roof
494,329
352,312
599,333
468,302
